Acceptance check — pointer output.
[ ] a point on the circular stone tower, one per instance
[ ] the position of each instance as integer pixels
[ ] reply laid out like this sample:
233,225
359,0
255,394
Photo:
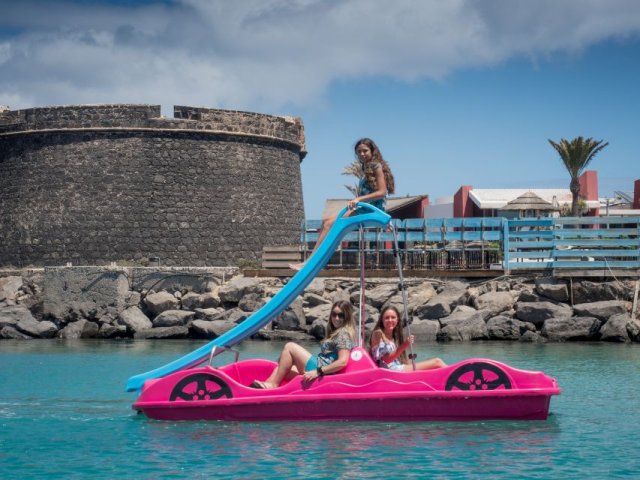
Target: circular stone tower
98,184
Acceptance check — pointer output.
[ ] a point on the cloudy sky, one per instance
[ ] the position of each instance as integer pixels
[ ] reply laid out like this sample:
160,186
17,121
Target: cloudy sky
455,92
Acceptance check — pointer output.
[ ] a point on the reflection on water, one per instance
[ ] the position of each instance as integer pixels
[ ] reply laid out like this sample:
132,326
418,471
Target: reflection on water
64,414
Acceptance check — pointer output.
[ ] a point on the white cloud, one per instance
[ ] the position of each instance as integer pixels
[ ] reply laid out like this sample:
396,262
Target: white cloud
275,53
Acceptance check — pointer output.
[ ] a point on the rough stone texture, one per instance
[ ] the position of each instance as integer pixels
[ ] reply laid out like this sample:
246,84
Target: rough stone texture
30,326
553,288
160,302
233,291
502,327
83,292
96,184
576,328
316,287
172,318
379,295
586,291
10,333
615,330
9,316
79,329
601,310
313,300
112,331
292,318
495,302
633,329
462,326
441,305
318,328
9,287
163,332
538,312
134,319
251,302
425,330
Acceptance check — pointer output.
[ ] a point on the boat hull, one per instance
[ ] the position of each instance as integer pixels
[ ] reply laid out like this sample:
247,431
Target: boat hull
475,389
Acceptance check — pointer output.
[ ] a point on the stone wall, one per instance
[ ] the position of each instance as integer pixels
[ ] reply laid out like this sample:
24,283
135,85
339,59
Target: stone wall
110,183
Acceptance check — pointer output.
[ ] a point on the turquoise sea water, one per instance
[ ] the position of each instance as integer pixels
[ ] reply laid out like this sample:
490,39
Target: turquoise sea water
64,414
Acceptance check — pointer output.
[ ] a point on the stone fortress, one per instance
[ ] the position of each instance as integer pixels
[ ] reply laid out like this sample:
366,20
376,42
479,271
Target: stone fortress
95,184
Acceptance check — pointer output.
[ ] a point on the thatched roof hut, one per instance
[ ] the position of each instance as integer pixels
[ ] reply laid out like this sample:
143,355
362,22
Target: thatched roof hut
529,204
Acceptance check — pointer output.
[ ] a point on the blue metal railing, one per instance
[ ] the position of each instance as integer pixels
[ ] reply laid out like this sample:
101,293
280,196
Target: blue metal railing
522,243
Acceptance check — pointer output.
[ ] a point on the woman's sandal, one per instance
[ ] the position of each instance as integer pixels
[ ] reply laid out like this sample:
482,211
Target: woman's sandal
259,384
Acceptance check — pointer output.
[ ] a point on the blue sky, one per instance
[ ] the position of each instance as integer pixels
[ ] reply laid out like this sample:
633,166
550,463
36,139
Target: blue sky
456,92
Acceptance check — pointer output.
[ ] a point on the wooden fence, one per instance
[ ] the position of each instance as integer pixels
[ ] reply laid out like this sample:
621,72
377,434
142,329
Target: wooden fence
565,243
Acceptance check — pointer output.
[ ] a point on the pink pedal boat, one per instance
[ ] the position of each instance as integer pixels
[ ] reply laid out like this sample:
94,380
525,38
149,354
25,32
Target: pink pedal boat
474,389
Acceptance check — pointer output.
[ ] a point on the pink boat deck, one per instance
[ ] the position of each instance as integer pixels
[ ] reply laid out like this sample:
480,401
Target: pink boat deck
474,389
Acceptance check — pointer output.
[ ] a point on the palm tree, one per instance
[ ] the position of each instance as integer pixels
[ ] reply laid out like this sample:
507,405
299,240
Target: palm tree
576,155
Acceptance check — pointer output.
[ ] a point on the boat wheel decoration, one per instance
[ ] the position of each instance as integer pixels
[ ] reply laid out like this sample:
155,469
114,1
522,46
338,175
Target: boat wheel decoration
478,376
200,386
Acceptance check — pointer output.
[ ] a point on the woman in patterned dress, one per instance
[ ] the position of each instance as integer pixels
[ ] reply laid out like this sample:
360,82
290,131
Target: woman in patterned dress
334,351
388,346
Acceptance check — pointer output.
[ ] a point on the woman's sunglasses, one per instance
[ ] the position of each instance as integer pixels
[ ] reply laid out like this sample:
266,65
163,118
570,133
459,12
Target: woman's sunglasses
338,314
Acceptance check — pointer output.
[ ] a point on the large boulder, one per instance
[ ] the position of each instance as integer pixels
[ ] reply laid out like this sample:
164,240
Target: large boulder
10,333
316,287
251,302
575,328
503,327
602,310
175,332
615,330
83,292
425,330
231,292
452,295
11,315
292,318
553,288
538,312
134,319
30,326
586,291
379,295
494,302
173,318
462,326
108,330
79,329
9,287
311,300
159,302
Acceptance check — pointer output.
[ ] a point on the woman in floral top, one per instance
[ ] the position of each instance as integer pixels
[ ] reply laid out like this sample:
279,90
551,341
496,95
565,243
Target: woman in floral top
388,344
334,351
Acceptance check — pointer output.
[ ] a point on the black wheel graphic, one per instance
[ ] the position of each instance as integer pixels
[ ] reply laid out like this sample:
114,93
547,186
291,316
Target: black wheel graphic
200,386
478,376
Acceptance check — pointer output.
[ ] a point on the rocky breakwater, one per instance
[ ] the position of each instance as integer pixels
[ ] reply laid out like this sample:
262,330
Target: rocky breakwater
109,304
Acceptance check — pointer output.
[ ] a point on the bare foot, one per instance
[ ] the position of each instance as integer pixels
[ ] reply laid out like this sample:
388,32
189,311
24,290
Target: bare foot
296,266
261,385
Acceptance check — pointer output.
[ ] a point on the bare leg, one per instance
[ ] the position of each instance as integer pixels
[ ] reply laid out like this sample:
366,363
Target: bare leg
292,356
426,365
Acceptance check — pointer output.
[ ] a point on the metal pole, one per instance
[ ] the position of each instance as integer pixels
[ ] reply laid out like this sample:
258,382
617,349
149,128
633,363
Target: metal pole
363,310
403,289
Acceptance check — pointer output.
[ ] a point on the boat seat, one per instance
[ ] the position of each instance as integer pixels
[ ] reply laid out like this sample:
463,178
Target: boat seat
359,359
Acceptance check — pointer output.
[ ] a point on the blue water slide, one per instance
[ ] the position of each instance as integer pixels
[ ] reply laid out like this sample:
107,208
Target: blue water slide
371,217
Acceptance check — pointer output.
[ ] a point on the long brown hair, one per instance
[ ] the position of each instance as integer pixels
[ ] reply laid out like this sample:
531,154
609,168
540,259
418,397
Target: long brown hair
376,157
398,332
349,322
